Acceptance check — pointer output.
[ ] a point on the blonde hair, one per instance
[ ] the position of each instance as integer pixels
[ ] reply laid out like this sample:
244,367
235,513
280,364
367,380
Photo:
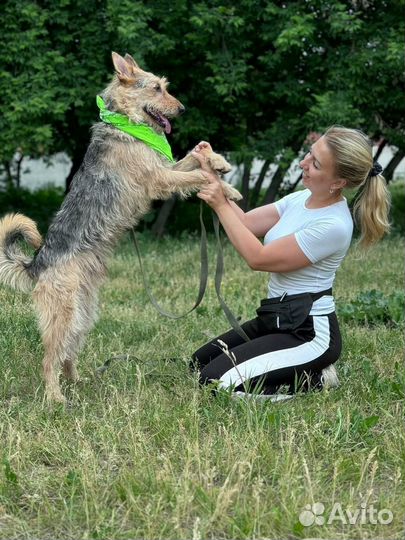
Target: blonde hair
352,152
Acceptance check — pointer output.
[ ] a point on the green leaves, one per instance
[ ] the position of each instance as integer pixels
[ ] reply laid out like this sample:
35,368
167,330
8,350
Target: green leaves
255,76
9,481
333,107
299,28
373,307
343,20
9,474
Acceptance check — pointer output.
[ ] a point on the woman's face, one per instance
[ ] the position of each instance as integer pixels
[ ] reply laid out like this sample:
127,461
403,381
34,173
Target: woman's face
318,169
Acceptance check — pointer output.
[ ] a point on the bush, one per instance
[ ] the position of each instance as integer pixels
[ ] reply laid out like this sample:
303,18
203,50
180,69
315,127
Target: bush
40,205
373,307
186,217
397,214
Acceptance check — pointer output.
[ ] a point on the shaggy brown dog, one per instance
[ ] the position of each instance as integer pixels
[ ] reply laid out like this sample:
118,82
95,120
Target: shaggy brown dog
114,187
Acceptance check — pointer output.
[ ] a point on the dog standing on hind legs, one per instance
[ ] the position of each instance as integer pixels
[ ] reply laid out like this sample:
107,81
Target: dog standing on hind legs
113,189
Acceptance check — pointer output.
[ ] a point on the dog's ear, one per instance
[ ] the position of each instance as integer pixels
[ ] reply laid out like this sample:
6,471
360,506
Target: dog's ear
123,68
130,60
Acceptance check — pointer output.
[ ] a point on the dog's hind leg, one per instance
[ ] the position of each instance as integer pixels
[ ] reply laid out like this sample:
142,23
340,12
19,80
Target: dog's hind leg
86,315
55,308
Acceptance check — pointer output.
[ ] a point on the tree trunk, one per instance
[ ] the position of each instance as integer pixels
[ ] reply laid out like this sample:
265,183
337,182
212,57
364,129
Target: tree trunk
77,159
274,186
278,176
389,170
18,172
259,182
247,166
158,228
9,176
380,148
294,184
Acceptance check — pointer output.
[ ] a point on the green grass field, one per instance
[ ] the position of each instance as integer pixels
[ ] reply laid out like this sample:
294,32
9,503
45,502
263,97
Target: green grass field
142,452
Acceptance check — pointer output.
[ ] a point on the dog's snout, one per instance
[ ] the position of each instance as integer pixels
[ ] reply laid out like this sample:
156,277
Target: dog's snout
181,109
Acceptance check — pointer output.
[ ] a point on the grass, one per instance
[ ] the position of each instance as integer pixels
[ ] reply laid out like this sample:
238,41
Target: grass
142,452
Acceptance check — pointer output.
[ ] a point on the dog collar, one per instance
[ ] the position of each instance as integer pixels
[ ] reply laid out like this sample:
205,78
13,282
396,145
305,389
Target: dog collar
143,132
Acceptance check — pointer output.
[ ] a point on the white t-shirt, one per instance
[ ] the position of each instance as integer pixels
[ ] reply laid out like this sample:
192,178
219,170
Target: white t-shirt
323,234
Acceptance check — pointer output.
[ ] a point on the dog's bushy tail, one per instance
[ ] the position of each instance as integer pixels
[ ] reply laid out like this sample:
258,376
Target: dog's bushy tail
13,262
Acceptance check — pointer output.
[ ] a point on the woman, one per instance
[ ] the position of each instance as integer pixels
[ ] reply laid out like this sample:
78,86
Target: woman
295,340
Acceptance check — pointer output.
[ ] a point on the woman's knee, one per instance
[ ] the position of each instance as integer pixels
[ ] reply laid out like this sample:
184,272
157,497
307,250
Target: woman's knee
202,356
195,363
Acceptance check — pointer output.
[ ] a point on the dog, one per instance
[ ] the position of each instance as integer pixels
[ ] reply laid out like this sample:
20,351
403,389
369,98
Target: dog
113,189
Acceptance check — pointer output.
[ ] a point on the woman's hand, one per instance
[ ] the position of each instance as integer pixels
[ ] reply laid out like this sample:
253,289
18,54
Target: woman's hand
212,192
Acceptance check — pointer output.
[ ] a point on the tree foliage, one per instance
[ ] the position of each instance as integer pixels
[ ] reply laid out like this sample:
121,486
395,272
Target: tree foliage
255,76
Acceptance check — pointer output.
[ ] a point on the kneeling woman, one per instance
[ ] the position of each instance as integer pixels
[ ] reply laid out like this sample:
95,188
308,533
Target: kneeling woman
295,339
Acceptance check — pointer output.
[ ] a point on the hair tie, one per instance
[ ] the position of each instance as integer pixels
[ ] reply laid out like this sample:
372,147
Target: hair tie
375,170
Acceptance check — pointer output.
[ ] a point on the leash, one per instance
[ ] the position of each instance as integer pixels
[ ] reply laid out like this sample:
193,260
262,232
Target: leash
219,272
203,273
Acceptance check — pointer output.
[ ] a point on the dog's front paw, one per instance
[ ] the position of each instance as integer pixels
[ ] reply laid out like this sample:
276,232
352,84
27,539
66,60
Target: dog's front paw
230,192
218,163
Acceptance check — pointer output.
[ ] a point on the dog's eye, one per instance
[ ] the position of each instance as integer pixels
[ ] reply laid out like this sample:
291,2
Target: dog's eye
157,87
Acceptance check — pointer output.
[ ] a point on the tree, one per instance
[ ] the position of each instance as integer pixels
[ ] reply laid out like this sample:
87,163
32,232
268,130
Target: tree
256,76
30,98
56,58
364,54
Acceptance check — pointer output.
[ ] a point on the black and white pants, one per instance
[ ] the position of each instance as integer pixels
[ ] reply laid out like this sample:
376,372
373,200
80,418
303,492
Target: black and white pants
269,361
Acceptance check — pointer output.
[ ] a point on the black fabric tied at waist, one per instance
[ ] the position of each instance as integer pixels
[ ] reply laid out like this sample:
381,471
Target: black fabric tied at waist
289,311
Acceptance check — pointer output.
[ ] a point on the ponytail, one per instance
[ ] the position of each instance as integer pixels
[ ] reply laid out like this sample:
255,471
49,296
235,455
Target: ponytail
371,209
352,151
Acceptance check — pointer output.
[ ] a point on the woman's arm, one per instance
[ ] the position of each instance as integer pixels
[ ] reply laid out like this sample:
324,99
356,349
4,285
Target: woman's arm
282,255
238,211
258,221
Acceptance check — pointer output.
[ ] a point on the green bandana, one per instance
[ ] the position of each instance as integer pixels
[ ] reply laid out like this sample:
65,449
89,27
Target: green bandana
143,132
